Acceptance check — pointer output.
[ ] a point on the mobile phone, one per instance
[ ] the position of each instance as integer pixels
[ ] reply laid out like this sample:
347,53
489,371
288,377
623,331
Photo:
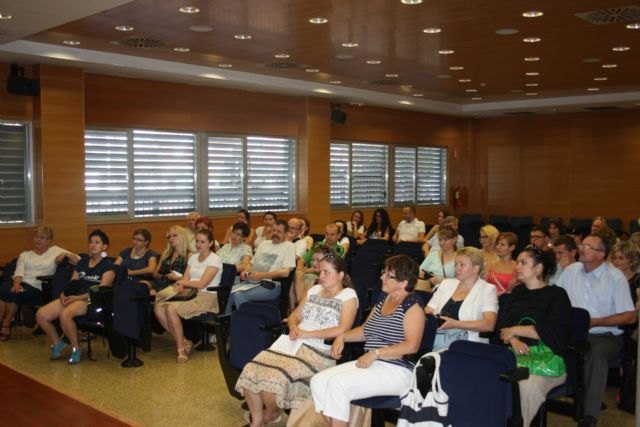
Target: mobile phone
427,275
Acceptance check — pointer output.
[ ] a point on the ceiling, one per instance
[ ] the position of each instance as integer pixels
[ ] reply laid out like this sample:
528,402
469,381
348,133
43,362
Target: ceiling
485,73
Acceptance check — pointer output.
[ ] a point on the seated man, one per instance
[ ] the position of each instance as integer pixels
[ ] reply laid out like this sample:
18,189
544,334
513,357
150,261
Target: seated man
539,237
566,250
273,260
602,290
410,228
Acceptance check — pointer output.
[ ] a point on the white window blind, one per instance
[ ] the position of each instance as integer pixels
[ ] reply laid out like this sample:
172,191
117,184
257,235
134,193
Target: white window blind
339,174
270,174
369,174
106,173
404,175
15,174
432,176
163,173
225,173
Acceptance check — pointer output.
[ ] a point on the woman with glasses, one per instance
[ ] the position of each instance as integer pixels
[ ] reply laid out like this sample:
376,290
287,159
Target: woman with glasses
237,252
140,261
392,330
503,273
173,260
279,377
536,313
465,305
440,263
488,237
243,216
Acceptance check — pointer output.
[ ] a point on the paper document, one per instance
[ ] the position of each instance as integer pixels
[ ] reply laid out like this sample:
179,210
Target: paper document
285,345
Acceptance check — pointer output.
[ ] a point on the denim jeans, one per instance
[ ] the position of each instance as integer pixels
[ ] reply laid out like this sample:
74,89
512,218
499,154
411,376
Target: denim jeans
258,293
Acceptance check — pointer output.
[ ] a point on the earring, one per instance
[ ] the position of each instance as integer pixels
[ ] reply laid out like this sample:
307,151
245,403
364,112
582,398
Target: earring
539,276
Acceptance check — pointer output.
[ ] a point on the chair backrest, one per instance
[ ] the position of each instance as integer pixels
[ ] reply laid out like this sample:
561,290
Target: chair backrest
429,334
60,278
580,324
246,339
7,271
519,221
411,249
470,374
466,218
634,226
365,274
498,220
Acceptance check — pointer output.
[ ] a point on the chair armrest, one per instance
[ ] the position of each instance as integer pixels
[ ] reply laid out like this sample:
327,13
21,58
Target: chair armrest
143,298
219,288
515,375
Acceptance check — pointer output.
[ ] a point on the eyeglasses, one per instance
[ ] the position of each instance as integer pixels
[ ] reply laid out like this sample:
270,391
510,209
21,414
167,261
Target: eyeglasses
588,246
389,275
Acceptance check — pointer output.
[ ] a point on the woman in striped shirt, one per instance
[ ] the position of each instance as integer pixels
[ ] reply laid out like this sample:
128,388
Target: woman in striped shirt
394,329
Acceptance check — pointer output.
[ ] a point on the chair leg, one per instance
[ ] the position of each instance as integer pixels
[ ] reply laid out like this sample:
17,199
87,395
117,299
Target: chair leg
89,349
205,344
131,361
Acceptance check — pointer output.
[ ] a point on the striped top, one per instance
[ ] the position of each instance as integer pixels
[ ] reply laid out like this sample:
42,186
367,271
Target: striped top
382,331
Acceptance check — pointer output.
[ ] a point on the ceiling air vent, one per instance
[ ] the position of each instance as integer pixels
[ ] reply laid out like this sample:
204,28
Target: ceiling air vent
611,15
140,42
603,108
386,82
285,66
518,113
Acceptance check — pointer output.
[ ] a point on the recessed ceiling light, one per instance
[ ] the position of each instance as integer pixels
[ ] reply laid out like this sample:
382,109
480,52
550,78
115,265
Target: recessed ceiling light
225,65
593,89
418,95
443,76
405,102
391,75
507,31
531,84
532,14
634,26
476,98
349,44
620,48
282,55
213,76
531,93
446,51
201,28
456,68
335,82
600,79
411,1
532,59
471,90
189,9
344,56
312,70
318,20
532,73
5,16
322,91
609,65
242,37
432,30
71,42
531,39
464,80
124,28
591,60
181,49
374,61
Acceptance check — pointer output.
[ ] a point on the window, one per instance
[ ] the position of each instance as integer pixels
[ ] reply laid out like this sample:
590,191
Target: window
358,174
16,203
143,173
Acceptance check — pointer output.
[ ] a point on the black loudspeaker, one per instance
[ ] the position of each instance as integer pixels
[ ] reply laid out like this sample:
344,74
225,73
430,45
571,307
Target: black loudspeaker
338,116
23,86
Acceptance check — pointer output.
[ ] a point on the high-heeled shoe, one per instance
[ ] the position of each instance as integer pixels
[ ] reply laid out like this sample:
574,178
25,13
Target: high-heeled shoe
183,357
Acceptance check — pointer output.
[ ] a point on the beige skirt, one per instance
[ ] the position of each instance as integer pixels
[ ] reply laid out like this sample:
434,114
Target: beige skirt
204,302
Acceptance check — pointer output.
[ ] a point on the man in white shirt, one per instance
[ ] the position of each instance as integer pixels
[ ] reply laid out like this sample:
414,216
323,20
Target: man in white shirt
601,289
410,228
274,259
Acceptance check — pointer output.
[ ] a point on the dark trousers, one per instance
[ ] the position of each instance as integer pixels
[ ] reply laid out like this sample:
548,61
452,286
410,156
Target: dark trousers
604,348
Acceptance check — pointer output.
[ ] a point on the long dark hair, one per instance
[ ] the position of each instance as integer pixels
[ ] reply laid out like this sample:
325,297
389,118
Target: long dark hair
385,224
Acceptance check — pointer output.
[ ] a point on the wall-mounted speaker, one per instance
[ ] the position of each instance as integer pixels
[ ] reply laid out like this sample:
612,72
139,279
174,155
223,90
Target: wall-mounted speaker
338,116
18,84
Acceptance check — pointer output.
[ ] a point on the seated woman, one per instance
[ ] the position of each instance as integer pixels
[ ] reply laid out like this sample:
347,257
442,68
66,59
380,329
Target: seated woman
237,252
343,240
393,329
440,263
304,233
264,231
26,289
555,226
536,313
466,305
502,274
203,269
173,260
203,223
95,269
355,226
140,261
277,380
307,276
488,237
434,229
243,216
380,227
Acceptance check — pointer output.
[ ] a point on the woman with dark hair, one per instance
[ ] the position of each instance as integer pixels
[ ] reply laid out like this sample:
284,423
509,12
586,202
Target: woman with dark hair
440,263
243,216
355,226
274,379
555,225
536,314
392,330
140,261
442,214
380,227
93,270
264,231
343,240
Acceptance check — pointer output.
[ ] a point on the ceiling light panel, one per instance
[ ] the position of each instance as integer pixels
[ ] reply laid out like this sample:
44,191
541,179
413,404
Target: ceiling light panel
318,20
189,9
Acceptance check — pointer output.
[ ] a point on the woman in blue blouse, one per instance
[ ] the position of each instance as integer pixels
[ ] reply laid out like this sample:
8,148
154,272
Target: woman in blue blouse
139,260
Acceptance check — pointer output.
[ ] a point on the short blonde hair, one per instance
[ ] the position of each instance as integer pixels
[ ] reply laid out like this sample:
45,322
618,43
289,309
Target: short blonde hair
475,256
490,231
630,251
43,230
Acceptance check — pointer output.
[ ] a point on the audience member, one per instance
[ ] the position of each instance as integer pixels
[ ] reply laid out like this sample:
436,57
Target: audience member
204,269
536,315
243,216
555,226
173,260
96,269
140,261
488,238
565,250
355,226
601,289
343,240
433,243
237,252
440,263
466,305
392,330
204,223
297,237
304,233
191,228
442,214
539,237
502,274
264,231
635,238
410,229
26,288
274,259
280,379
598,224
380,227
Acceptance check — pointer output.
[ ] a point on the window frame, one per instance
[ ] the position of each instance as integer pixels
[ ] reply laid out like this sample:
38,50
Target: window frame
28,171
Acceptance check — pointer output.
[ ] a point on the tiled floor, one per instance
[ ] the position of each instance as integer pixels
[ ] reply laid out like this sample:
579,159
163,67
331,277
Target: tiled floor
163,393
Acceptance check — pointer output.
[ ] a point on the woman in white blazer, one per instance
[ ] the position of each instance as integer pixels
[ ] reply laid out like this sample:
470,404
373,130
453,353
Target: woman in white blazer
465,306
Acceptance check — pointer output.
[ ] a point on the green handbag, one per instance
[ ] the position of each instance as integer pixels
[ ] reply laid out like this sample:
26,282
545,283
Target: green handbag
540,360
